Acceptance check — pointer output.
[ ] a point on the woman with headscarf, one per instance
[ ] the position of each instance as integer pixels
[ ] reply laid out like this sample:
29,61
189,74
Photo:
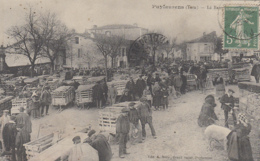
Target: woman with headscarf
157,95
207,114
220,87
239,147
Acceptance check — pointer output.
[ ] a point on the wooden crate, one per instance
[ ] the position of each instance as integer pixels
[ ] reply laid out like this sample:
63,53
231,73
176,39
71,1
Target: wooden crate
84,94
37,146
120,86
53,84
19,102
63,95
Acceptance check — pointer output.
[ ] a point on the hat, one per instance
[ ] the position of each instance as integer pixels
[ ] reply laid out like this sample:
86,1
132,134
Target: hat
125,110
91,132
209,96
131,104
230,90
20,126
76,138
6,111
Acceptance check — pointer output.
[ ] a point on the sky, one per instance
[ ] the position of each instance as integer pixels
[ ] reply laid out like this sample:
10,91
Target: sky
185,24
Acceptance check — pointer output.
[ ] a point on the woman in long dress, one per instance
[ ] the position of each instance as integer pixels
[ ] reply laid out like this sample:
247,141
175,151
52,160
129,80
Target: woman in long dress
207,114
239,147
220,86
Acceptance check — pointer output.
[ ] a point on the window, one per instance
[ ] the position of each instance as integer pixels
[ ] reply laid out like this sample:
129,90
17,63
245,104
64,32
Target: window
79,53
77,40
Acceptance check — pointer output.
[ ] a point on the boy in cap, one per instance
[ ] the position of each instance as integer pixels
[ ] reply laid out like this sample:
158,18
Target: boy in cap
122,129
227,104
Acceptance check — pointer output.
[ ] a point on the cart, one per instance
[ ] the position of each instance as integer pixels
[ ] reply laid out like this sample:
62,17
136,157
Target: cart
20,102
120,86
240,75
5,103
84,95
223,72
32,81
63,96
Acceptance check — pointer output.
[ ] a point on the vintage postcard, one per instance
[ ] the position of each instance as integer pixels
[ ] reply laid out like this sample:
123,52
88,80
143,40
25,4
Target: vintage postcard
129,80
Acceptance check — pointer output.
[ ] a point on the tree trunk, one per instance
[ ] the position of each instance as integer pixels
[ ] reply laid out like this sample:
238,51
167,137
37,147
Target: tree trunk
52,67
112,62
32,69
106,67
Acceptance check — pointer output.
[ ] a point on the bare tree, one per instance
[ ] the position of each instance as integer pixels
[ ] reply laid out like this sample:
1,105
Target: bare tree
55,39
108,46
29,38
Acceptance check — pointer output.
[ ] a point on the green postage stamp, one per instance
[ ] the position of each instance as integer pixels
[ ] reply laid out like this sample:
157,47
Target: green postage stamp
241,27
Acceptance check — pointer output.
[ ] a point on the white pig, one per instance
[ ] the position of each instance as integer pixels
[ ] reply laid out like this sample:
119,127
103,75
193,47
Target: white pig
218,133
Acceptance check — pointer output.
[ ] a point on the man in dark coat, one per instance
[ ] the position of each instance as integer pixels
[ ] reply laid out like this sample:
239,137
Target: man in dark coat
125,96
122,129
256,72
202,78
22,137
140,86
9,136
145,115
157,78
227,104
130,85
97,94
100,143
150,81
25,120
45,100
105,90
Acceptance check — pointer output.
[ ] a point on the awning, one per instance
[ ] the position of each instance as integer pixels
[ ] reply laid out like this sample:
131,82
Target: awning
16,60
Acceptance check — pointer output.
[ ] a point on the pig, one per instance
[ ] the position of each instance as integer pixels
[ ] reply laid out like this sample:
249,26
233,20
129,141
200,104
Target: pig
217,133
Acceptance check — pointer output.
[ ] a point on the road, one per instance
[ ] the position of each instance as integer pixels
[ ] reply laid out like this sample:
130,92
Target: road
178,135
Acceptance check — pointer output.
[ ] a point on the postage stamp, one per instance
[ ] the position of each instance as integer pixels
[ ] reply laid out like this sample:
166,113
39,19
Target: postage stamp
241,25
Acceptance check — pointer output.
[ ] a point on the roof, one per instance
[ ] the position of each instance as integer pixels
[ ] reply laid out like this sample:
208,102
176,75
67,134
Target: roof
15,60
211,37
116,26
30,80
62,89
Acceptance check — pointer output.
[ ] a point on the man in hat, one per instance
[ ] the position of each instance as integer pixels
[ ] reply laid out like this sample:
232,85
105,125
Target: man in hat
122,129
82,151
100,143
145,115
140,86
45,100
227,104
125,96
130,85
4,120
157,78
25,120
9,135
134,122
22,138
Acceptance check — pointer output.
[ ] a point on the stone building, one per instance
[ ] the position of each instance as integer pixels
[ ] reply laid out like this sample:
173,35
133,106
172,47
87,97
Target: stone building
202,48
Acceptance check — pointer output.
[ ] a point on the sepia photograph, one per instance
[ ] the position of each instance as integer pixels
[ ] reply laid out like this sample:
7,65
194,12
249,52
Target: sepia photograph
129,80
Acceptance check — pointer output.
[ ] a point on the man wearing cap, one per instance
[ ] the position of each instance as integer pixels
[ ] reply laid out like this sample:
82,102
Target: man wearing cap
24,119
145,115
122,129
9,135
134,122
227,104
82,151
97,94
4,120
100,143
22,138
45,100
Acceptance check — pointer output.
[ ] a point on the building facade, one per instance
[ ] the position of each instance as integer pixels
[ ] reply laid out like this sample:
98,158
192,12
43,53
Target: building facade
203,48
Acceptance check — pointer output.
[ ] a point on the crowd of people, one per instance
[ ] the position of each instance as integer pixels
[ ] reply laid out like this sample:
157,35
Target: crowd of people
15,132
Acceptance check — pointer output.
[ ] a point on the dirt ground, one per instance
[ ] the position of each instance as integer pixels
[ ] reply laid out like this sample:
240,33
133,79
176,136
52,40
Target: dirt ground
178,135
